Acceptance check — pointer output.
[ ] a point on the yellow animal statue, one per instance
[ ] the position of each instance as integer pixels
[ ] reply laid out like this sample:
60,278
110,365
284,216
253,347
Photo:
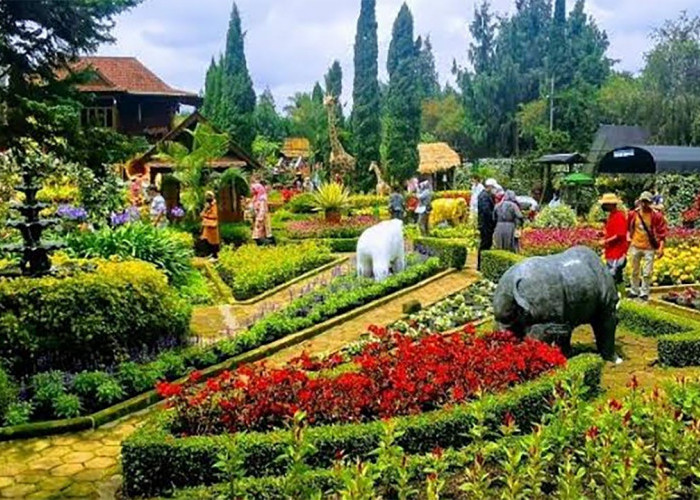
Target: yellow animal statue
383,189
454,211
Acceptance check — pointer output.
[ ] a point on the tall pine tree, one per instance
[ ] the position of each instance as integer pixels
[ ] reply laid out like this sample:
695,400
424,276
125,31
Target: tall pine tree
428,81
334,87
237,94
366,117
403,105
212,90
483,30
558,46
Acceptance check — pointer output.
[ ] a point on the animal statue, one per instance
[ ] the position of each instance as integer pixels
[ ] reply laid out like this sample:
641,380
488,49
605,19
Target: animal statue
452,210
342,163
383,189
547,297
380,250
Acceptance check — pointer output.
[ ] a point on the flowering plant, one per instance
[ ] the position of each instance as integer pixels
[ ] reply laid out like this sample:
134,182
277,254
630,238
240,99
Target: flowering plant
691,216
401,377
549,241
348,227
288,194
465,195
71,213
131,214
177,213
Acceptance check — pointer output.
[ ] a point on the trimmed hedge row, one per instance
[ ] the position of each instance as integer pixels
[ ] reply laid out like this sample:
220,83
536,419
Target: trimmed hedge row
452,253
154,462
340,245
678,337
494,263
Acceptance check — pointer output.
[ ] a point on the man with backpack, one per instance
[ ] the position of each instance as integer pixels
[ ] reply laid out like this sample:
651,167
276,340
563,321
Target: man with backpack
647,231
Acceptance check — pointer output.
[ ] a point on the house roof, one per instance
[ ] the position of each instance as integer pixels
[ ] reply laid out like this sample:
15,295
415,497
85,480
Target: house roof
563,159
643,159
127,75
236,156
609,137
296,147
437,157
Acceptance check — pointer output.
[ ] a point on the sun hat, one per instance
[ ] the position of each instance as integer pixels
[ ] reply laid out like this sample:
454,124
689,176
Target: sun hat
646,196
610,199
491,183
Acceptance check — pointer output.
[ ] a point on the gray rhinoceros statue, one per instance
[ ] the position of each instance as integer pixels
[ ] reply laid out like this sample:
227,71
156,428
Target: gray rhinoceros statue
547,297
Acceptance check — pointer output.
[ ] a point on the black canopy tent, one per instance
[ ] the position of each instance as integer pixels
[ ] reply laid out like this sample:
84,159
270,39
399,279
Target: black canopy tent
651,160
563,159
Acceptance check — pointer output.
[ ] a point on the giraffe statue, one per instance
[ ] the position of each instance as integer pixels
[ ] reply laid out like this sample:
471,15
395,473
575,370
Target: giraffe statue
342,163
383,189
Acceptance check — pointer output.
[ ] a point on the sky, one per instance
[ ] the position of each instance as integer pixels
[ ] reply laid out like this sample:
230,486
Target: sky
291,43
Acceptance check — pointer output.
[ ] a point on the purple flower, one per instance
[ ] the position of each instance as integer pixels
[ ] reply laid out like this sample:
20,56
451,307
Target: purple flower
177,212
69,212
131,214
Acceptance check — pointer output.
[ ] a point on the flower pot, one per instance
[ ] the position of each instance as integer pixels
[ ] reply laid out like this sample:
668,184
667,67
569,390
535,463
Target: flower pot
333,216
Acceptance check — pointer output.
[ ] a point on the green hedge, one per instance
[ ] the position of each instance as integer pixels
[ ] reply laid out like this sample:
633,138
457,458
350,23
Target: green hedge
88,319
154,462
235,233
341,245
452,253
678,336
494,263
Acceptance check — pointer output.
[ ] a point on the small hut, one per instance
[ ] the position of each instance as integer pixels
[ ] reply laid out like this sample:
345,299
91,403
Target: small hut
438,162
148,164
295,153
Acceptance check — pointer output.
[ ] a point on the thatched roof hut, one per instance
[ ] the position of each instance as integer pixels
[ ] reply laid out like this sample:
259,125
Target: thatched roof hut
296,147
437,157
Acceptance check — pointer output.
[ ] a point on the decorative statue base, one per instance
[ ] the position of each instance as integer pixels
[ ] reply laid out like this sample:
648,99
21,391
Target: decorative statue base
547,297
380,250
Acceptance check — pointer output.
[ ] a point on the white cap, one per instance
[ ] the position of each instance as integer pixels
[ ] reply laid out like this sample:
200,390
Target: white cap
491,183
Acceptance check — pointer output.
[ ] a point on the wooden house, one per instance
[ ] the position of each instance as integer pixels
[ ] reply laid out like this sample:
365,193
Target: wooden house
295,153
230,202
130,98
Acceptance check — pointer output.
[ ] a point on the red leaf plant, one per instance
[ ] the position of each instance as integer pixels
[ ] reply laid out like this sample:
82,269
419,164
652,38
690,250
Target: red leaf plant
401,377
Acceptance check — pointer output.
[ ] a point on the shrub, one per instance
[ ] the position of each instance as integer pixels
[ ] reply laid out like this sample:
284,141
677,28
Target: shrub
97,389
360,201
119,308
494,263
348,227
18,413
341,245
168,249
301,204
452,253
47,388
195,290
154,462
331,197
235,233
8,393
67,406
252,270
562,216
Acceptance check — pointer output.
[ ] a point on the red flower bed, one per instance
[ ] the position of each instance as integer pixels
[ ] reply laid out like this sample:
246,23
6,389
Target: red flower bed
398,377
549,241
678,235
348,227
288,194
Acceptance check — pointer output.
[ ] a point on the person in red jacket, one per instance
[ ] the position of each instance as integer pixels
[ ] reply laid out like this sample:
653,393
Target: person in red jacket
647,233
615,244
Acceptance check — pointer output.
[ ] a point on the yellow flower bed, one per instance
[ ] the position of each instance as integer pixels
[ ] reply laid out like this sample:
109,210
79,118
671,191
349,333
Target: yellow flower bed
680,265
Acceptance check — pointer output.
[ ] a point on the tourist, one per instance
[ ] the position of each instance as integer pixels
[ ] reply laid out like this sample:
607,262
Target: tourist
425,198
210,224
135,191
486,221
614,244
556,200
508,219
647,232
158,209
412,185
477,188
308,185
396,204
262,230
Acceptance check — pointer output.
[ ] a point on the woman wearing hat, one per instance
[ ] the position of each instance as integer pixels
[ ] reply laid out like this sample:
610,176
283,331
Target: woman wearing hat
647,231
210,223
615,244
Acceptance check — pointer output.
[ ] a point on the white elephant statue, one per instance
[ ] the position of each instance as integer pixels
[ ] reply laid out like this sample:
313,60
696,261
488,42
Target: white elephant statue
380,250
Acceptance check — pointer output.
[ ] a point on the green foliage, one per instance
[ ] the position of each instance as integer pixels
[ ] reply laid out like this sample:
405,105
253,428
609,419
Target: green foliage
679,193
154,462
366,121
340,245
8,393
252,270
678,337
265,150
170,251
334,87
116,309
235,233
268,122
560,217
331,197
427,75
403,111
452,253
18,413
443,118
494,263
308,119
67,406
47,387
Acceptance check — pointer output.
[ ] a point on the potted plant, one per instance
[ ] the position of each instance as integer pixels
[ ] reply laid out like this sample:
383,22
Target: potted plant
331,198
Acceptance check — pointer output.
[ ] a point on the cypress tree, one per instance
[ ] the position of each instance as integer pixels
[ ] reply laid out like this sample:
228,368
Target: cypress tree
366,119
212,94
558,44
428,81
334,87
403,105
237,96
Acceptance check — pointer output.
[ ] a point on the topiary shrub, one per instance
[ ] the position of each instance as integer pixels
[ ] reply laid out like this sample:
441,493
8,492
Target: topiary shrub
235,233
494,263
89,318
452,253
560,217
302,204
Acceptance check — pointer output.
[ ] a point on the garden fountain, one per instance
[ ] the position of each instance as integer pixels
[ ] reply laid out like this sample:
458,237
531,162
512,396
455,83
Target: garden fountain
35,254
